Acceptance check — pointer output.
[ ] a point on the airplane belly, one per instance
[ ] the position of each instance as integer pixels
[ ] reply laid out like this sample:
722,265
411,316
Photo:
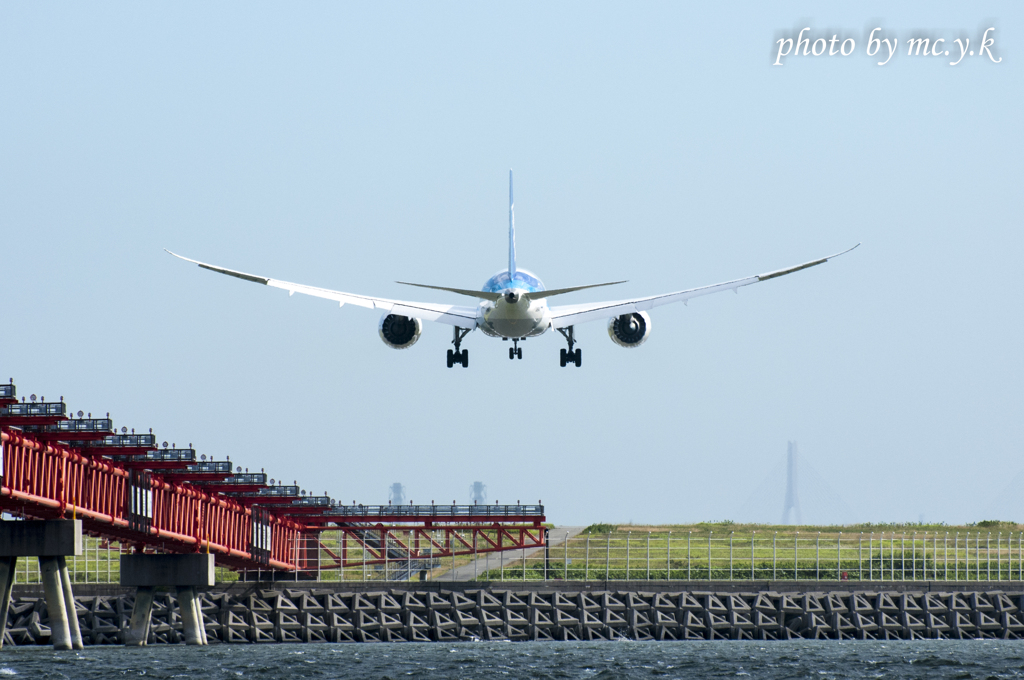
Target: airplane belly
513,328
515,321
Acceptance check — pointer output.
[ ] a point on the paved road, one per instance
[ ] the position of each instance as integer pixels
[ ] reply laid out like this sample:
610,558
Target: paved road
469,571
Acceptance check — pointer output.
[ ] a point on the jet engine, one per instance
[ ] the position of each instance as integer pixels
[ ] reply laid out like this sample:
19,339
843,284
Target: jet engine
399,332
630,330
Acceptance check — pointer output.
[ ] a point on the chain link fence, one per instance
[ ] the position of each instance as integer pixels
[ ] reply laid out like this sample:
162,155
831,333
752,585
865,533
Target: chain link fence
695,556
641,556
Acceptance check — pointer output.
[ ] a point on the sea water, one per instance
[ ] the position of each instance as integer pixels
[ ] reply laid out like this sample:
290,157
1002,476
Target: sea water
719,659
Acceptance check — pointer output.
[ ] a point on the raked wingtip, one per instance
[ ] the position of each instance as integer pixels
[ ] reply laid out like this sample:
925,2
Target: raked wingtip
180,257
843,252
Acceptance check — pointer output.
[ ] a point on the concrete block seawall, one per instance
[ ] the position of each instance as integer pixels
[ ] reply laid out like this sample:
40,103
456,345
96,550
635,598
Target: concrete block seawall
255,613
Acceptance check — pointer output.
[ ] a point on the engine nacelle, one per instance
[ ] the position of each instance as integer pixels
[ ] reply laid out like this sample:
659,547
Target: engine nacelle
630,330
399,332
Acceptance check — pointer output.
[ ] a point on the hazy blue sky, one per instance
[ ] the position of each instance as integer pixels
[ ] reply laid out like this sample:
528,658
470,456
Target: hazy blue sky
351,145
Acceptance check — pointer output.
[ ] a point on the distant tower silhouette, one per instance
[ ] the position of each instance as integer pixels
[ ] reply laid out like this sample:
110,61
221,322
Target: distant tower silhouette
396,493
478,492
792,501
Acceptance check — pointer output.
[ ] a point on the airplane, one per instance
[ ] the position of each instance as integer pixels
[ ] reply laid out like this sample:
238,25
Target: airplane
513,305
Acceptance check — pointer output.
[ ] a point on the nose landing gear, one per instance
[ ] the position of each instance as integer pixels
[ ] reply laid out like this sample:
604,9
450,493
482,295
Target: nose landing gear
458,356
569,356
515,352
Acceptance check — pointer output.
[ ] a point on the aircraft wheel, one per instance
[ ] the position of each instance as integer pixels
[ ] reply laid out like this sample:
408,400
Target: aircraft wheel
465,358
451,358
511,353
562,357
579,358
519,353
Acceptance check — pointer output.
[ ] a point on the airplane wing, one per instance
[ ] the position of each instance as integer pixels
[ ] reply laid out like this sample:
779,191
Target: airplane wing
463,317
570,315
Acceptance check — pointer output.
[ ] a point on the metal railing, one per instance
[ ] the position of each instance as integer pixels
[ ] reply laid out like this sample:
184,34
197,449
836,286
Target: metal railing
48,408
275,491
212,467
161,455
90,425
240,479
438,510
128,441
312,501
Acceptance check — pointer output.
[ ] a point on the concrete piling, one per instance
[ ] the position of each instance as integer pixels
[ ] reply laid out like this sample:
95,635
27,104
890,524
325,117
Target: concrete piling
185,573
199,619
50,541
69,603
8,567
189,621
60,629
137,634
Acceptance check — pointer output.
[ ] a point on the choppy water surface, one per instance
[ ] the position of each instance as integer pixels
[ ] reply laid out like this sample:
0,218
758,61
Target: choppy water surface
796,659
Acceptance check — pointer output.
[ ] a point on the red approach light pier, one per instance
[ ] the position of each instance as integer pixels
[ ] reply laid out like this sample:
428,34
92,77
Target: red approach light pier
124,487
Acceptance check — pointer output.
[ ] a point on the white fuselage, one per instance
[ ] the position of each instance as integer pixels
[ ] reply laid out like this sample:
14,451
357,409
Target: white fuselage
515,315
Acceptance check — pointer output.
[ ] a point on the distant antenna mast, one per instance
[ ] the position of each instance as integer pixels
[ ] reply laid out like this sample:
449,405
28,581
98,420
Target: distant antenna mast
396,493
792,501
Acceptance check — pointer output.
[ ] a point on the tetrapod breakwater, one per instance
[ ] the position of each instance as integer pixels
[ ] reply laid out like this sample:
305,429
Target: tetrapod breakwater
422,612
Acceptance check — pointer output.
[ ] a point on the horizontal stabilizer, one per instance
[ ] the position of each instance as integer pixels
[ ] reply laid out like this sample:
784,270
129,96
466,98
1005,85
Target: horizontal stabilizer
485,295
562,291
482,294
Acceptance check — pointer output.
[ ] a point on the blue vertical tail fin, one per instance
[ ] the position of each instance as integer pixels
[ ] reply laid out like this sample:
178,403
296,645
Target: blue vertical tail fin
511,230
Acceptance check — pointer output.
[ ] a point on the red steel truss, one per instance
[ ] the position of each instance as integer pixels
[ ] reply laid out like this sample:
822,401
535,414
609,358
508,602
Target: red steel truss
416,543
135,501
49,482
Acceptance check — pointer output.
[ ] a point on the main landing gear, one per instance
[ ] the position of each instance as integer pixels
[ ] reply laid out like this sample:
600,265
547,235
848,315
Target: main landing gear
569,356
458,356
515,352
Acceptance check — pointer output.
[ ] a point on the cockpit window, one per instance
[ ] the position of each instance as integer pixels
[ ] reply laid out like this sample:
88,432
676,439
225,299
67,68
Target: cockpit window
523,280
